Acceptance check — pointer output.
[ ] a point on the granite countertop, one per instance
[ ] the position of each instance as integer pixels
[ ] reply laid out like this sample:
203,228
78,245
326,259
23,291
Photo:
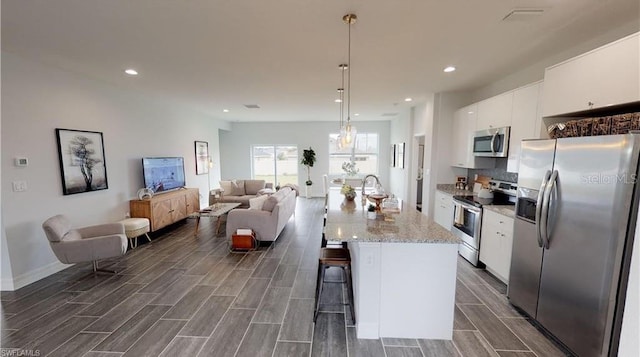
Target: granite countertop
451,189
347,221
509,211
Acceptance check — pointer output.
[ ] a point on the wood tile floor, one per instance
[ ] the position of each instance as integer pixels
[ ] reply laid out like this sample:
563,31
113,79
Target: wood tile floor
188,296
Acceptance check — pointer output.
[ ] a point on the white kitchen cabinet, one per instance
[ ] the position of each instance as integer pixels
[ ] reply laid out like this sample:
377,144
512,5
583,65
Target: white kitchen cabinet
605,76
464,126
496,241
495,112
443,211
525,121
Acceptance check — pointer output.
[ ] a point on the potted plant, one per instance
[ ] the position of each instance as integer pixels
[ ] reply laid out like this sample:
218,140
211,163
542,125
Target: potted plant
348,191
308,159
371,211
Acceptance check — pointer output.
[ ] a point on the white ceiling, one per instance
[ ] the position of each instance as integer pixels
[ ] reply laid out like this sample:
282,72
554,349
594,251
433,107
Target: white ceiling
283,54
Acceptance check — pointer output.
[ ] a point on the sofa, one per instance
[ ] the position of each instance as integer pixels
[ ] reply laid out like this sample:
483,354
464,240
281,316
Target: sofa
266,216
239,191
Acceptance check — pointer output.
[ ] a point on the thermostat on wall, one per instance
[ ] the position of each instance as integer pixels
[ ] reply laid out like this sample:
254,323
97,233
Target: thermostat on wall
21,161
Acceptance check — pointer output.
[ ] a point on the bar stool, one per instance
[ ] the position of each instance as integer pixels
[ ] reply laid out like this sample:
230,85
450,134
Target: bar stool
334,257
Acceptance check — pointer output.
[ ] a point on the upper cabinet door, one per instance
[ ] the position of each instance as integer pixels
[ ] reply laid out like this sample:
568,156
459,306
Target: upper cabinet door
495,112
606,76
464,126
524,121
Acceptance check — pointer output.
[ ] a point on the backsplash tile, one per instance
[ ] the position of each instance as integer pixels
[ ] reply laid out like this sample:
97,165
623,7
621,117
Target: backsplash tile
499,173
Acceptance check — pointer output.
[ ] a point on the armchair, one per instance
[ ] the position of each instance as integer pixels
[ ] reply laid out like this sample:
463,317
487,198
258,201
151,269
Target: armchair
85,244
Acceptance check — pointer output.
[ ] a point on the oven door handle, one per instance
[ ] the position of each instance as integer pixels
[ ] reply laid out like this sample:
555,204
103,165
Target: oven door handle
466,206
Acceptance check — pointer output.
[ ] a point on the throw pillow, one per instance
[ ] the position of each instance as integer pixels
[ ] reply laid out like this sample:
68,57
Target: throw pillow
270,203
238,188
252,187
257,203
226,186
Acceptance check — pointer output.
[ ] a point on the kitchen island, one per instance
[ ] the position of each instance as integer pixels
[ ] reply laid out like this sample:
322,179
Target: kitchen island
404,270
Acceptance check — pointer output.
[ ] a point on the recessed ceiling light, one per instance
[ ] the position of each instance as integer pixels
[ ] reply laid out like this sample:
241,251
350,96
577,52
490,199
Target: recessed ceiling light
356,114
450,69
338,100
131,72
225,110
407,99
470,112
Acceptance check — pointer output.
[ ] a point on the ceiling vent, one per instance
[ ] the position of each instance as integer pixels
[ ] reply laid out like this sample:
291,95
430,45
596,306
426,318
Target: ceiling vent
252,106
523,14
389,114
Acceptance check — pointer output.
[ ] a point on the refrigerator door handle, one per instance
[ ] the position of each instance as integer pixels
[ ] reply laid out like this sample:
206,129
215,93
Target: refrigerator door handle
539,204
545,208
493,141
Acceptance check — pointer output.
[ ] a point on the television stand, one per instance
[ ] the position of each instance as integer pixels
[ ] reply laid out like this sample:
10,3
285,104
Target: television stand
166,208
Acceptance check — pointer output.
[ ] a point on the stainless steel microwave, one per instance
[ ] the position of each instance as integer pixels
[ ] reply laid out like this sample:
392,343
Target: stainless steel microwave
491,142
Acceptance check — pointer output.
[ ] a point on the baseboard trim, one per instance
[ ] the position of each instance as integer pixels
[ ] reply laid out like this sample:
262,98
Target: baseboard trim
369,331
6,285
36,274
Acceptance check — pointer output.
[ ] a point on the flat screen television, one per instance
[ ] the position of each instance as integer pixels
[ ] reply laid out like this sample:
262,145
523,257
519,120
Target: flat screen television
163,173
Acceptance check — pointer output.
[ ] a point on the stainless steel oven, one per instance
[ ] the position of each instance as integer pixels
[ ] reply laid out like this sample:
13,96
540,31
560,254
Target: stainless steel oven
492,142
467,220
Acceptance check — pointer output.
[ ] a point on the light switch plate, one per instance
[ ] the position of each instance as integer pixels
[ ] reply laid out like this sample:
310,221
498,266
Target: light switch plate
19,186
21,161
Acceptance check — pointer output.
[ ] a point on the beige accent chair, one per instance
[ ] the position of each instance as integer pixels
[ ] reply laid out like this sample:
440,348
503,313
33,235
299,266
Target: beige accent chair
85,244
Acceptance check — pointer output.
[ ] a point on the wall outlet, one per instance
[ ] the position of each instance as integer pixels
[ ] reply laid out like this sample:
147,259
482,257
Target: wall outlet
127,215
19,186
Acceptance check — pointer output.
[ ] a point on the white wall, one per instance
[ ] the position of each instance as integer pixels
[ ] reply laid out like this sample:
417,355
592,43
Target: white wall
400,132
441,171
36,100
235,146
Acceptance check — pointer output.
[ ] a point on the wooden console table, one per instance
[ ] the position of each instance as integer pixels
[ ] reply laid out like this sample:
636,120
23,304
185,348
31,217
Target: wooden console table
166,208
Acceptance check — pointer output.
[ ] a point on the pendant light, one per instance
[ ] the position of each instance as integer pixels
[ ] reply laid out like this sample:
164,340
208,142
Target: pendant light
350,131
340,140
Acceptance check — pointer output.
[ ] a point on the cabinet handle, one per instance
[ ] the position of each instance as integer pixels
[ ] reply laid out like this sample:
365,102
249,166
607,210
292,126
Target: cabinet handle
497,232
501,222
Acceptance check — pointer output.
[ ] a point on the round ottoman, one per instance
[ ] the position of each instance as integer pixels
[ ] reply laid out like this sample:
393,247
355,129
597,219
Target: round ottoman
135,227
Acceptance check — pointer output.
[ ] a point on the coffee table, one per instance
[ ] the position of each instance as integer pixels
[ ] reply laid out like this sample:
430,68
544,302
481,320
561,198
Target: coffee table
217,210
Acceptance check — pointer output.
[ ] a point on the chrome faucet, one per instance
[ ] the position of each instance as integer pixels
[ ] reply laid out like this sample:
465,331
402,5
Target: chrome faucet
364,182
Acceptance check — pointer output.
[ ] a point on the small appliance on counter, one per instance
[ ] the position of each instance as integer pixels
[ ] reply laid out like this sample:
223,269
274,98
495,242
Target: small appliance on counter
467,216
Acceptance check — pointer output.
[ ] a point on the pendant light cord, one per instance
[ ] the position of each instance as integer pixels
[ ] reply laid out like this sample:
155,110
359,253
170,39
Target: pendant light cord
349,75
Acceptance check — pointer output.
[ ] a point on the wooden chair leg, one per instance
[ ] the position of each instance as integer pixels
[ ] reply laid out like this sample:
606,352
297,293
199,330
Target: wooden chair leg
320,283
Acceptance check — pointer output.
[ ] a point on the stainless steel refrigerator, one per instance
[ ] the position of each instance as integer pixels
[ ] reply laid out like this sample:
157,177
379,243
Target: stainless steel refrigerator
573,233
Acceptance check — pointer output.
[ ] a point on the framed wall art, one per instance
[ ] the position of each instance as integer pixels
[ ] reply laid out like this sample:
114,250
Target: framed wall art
82,161
202,157
392,156
400,155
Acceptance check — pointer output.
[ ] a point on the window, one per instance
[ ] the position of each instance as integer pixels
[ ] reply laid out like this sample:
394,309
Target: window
275,163
364,152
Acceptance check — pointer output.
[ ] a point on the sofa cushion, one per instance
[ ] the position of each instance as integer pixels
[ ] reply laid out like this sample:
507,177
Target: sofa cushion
238,188
252,187
226,186
258,202
270,203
